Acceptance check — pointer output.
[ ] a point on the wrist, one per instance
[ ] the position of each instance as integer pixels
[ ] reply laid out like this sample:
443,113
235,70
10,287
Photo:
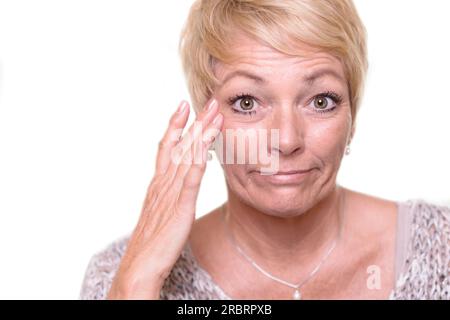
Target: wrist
139,290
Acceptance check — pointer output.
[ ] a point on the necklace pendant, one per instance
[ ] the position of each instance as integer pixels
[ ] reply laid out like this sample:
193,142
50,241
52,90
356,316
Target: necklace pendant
297,295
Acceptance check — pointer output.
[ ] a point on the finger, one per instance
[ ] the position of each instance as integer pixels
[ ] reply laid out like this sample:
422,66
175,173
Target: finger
178,154
167,145
171,137
169,190
168,175
191,176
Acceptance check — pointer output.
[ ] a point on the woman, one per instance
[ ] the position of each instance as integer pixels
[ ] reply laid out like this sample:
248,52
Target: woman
291,74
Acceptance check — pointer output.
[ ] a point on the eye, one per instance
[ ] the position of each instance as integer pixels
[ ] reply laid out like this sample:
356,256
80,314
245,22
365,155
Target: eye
246,104
243,104
326,102
321,102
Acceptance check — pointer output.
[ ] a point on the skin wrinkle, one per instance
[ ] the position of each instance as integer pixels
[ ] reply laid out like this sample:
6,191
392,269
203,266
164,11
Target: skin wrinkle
286,229
277,68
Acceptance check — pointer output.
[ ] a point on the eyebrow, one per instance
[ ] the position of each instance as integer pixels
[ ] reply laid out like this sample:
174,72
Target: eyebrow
309,78
245,74
312,77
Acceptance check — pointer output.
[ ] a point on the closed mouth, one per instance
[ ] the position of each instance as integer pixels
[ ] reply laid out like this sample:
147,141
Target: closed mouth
287,172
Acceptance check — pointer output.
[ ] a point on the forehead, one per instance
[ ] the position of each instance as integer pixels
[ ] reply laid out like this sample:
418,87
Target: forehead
263,60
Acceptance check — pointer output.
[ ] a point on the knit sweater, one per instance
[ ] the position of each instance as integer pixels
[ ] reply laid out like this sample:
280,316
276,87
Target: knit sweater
422,262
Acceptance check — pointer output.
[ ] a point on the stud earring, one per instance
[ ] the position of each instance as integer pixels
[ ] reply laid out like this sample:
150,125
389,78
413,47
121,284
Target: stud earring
347,150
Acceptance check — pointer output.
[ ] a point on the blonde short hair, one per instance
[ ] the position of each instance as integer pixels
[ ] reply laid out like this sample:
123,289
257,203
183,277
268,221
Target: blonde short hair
330,25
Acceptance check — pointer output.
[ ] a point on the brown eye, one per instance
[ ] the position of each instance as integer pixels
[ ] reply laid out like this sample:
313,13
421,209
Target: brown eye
246,104
320,102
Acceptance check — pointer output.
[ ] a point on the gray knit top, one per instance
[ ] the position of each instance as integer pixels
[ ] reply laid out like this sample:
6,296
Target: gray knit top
421,267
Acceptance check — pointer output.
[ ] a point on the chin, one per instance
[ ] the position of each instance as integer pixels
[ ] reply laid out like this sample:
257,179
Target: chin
283,204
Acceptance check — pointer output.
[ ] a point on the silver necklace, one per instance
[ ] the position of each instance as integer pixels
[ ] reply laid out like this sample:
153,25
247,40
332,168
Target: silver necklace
297,294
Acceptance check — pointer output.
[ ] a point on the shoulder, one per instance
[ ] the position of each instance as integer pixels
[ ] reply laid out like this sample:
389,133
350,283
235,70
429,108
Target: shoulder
430,225
101,270
186,281
426,274
430,213
430,228
371,216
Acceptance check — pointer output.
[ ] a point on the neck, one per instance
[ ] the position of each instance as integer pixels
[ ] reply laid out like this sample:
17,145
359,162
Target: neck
283,241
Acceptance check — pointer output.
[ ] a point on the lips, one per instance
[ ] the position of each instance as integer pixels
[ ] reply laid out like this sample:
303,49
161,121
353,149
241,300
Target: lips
283,177
291,172
287,172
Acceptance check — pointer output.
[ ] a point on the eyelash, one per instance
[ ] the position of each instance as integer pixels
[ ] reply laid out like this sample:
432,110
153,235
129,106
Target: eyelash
232,101
337,99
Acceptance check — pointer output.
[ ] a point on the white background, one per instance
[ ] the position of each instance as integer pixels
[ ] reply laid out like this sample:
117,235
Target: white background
87,88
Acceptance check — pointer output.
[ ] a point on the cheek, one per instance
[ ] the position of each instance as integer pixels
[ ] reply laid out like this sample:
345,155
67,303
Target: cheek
243,145
327,139
241,140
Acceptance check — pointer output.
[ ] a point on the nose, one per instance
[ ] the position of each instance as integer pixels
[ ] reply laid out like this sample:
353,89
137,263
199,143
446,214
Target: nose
289,123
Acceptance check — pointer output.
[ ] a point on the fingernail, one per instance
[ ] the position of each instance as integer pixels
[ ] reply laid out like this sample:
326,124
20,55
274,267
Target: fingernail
212,104
182,107
217,118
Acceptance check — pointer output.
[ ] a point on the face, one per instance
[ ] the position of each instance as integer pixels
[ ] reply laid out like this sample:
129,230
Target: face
295,109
